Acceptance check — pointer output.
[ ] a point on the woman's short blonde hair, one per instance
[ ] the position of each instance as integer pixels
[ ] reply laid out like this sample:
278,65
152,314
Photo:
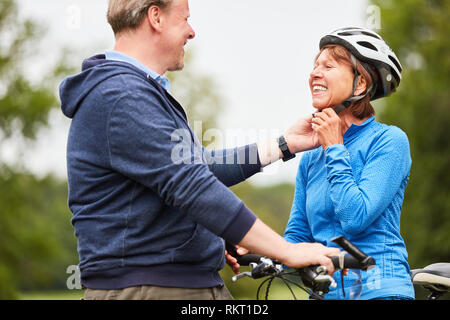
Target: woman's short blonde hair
129,14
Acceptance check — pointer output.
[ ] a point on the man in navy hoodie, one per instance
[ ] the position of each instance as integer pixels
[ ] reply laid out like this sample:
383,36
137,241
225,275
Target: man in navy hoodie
151,208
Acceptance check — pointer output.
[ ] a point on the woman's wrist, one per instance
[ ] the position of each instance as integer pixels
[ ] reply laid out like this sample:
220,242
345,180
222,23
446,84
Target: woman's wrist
326,145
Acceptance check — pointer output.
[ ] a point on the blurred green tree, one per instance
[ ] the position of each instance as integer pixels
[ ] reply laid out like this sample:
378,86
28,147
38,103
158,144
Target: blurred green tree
199,95
202,100
419,31
27,204
37,243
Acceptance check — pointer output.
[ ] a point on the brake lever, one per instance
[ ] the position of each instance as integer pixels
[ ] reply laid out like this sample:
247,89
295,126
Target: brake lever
264,268
323,276
326,279
241,275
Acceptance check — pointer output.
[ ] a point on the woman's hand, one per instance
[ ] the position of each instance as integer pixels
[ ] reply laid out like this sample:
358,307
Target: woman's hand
328,127
301,137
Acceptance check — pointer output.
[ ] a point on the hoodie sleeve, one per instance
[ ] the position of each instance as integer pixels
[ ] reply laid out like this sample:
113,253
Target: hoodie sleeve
147,145
232,166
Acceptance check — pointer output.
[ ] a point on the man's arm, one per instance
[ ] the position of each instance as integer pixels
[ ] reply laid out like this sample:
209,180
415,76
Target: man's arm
263,240
232,166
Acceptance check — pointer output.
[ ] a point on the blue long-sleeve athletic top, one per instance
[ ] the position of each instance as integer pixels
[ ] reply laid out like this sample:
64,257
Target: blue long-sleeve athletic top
357,190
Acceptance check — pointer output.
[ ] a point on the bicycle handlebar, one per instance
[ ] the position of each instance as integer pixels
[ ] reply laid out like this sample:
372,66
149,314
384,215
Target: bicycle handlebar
348,262
246,259
363,259
313,276
356,260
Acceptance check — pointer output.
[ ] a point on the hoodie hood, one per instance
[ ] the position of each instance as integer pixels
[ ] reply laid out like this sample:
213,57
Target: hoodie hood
95,70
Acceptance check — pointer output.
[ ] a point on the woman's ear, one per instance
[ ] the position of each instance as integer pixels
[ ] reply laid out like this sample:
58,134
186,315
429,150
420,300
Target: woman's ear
361,87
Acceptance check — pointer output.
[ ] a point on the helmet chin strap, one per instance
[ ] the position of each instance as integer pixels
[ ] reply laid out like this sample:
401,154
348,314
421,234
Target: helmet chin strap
347,102
352,98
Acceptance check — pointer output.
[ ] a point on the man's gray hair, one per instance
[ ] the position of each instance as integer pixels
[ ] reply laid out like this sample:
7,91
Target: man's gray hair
129,14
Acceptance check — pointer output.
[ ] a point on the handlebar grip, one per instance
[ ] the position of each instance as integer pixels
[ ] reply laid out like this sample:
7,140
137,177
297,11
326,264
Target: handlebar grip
352,249
349,263
246,259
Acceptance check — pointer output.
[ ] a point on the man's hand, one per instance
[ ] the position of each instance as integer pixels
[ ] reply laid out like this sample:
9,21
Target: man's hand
261,239
301,255
301,136
328,127
232,261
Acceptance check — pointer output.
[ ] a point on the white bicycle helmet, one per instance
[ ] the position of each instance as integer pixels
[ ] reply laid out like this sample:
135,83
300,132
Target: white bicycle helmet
368,47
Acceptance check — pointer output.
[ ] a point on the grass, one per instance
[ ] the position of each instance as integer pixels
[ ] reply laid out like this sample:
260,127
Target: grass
52,295
278,291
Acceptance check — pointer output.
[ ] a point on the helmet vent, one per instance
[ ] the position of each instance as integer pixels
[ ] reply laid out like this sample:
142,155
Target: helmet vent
347,33
367,45
358,32
371,35
394,61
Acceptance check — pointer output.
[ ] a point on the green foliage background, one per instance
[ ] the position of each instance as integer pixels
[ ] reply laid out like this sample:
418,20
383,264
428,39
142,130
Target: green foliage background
419,32
35,236
37,243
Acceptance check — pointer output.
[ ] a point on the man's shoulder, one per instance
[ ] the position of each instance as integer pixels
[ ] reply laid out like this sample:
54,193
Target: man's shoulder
118,72
126,83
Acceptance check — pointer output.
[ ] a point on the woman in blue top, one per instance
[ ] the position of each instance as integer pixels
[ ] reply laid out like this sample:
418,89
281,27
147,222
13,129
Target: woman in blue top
353,184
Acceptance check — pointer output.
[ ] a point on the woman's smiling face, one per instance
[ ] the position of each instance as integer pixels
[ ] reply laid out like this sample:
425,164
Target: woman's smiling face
331,81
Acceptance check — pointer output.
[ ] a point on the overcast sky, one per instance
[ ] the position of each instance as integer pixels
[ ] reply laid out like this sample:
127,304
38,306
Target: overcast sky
259,52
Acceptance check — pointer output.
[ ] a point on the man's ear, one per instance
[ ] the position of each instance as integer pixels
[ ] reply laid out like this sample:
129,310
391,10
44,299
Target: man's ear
155,18
361,86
